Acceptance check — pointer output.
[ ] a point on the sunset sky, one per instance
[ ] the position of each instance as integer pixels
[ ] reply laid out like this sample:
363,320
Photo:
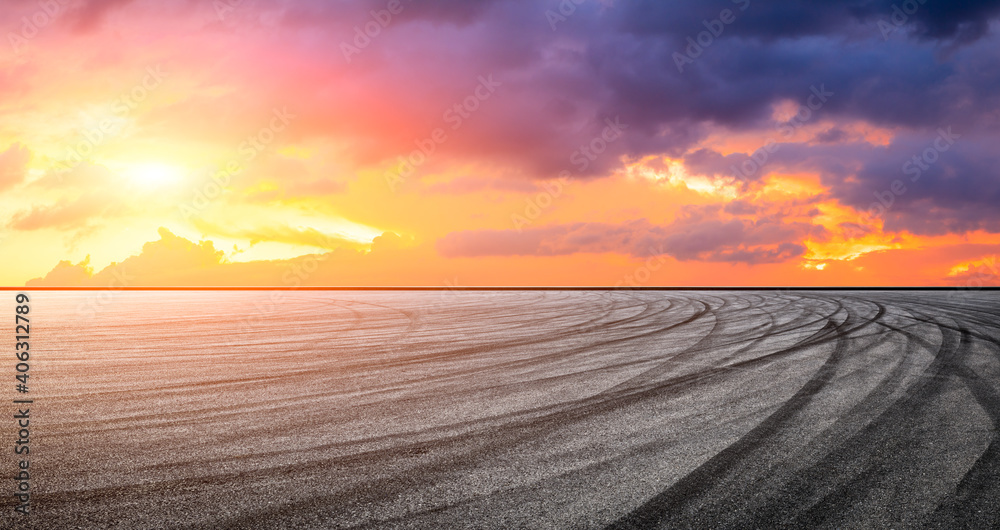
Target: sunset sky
492,142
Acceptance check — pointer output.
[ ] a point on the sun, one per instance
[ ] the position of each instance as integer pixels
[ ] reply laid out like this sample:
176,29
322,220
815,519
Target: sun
152,174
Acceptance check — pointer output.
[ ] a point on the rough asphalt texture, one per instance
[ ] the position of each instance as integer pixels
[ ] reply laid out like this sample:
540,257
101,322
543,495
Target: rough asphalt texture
597,409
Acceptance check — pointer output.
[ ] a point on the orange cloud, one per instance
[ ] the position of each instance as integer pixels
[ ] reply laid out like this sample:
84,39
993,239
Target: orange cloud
175,261
981,272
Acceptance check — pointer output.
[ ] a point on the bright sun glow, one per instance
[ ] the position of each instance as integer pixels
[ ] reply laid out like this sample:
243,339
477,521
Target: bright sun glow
152,175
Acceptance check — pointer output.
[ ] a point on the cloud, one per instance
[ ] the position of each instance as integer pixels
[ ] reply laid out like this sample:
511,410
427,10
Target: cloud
14,165
934,182
172,252
175,261
473,184
619,62
163,262
83,177
318,187
608,60
982,272
558,87
831,136
795,19
692,237
280,233
67,214
89,15
387,242
914,185
66,274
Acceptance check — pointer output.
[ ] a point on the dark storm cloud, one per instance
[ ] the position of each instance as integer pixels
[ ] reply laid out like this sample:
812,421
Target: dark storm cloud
930,183
621,62
929,19
908,66
772,19
926,182
618,59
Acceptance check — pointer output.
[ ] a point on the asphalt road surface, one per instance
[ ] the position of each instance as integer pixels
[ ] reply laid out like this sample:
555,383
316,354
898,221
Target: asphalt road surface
555,409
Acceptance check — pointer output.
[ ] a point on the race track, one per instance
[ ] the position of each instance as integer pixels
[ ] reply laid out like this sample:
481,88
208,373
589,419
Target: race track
531,409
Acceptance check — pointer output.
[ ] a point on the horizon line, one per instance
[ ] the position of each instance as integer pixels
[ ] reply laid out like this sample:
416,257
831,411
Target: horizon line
511,288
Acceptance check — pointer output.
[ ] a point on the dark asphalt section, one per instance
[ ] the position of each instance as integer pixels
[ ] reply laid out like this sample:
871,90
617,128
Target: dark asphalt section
535,409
